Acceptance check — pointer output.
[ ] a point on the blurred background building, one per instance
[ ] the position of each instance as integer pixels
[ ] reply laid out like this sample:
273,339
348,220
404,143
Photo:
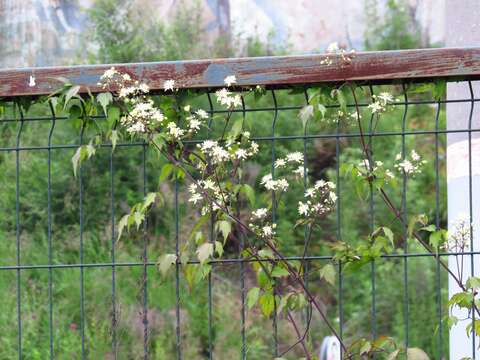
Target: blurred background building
49,32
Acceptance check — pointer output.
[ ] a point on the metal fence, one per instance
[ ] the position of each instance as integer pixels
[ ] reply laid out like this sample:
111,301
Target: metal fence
67,281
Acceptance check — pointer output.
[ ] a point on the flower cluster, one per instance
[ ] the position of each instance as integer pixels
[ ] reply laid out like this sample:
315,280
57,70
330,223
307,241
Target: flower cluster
293,159
231,151
143,116
226,97
216,196
319,200
380,102
274,184
459,237
335,49
374,169
410,166
260,224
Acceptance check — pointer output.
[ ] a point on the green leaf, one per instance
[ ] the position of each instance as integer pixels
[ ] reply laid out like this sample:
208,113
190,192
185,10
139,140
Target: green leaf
429,228
149,199
252,297
219,248
473,283
204,252
71,92
366,347
104,100
437,238
224,227
416,354
138,218
165,262
113,116
76,158
279,272
121,225
322,109
305,114
167,169
249,193
113,139
267,303
418,219
236,128
328,273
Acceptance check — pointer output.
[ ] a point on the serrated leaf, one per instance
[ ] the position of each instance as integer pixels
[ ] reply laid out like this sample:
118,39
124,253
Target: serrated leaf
204,252
322,109
224,227
114,139
328,273
165,262
473,283
71,92
138,218
104,99
252,297
267,303
305,114
219,248
121,225
149,199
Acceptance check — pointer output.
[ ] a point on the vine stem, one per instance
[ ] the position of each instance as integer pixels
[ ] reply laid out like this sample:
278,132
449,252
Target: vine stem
280,257
396,212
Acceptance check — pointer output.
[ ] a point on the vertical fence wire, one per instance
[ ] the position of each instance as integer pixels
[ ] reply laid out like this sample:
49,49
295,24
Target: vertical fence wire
405,220
49,231
470,204
17,231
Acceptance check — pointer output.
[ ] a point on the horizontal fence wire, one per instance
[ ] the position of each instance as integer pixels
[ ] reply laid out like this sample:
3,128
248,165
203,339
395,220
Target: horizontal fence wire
35,147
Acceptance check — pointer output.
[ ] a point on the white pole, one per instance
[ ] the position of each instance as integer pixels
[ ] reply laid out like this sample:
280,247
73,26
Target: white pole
462,30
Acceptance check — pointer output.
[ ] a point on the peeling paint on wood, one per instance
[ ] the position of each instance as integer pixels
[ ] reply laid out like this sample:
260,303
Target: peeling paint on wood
268,71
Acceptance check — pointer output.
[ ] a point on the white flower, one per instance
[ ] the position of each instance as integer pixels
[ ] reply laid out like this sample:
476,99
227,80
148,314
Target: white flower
295,157
254,147
126,77
282,184
195,198
280,163
332,47
136,128
260,213
459,234
303,208
229,80
187,108
300,171
267,230
227,98
241,154
415,156
169,85
376,107
194,125
192,189
202,114
385,97
310,192
208,184
174,130
108,74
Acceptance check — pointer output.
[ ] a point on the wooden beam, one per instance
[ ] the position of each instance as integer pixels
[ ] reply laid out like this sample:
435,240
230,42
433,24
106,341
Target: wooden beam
268,71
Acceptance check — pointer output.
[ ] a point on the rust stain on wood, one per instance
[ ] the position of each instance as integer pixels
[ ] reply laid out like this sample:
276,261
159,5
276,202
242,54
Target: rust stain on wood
268,71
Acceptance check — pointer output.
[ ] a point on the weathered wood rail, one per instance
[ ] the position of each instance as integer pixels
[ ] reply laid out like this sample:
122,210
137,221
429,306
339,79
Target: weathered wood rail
269,71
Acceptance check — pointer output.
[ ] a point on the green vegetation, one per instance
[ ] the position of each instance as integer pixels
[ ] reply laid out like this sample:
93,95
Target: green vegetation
129,37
